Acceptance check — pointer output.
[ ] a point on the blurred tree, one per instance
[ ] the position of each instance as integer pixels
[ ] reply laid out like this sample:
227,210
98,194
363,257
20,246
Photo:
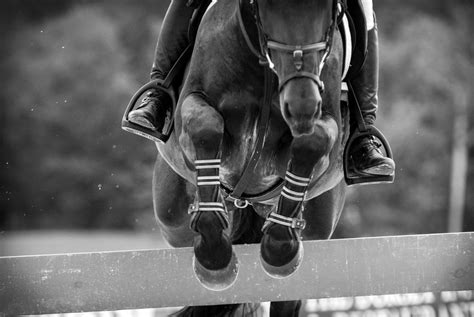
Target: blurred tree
426,69
68,164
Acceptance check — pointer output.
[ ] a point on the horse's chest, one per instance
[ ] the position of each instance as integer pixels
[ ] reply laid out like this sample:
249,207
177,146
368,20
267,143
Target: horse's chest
242,146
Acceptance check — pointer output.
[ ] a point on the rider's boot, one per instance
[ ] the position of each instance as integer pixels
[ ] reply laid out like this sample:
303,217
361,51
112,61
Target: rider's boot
155,111
365,153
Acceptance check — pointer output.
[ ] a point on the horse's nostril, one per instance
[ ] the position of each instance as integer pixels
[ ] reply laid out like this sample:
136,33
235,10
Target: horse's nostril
286,110
319,109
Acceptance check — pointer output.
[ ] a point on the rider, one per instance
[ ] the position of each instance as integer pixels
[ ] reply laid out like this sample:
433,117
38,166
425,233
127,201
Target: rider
155,110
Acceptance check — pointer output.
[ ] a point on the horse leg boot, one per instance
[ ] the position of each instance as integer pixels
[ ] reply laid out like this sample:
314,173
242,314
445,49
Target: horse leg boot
281,248
201,137
155,111
365,153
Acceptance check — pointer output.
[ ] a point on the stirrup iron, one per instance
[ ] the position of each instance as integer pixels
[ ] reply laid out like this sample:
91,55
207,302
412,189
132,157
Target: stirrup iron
131,127
353,177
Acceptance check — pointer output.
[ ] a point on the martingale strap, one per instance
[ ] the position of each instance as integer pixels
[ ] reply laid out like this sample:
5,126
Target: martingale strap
262,127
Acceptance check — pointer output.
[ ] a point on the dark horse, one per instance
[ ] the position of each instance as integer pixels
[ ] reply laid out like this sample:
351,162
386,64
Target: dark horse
257,148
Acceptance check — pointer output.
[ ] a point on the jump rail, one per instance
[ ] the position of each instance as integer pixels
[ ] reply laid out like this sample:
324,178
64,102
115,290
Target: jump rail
105,281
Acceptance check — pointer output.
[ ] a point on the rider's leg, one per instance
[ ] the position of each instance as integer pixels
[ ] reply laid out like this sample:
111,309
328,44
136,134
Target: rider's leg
365,152
155,110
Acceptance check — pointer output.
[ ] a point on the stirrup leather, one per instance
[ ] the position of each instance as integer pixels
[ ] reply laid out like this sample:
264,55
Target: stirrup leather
131,127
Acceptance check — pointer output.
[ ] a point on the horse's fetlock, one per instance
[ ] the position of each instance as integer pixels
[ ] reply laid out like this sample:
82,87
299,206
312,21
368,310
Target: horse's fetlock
208,222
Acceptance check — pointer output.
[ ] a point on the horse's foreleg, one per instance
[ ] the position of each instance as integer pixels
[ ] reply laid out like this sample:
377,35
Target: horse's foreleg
281,248
201,137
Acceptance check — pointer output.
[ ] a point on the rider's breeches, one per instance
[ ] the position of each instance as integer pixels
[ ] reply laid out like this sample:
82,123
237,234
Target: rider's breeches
173,38
369,13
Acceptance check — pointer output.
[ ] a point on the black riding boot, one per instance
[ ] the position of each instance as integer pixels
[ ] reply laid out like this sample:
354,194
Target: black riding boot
155,111
366,157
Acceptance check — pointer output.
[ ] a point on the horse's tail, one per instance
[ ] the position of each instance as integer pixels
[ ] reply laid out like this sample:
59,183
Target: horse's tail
221,311
246,226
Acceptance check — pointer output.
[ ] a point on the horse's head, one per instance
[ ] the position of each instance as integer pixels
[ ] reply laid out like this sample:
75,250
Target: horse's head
297,35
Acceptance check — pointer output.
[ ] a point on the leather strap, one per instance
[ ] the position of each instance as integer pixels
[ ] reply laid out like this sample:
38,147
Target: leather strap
262,127
355,110
302,74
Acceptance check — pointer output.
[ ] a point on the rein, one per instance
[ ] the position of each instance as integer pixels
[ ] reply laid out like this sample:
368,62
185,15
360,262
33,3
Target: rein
263,53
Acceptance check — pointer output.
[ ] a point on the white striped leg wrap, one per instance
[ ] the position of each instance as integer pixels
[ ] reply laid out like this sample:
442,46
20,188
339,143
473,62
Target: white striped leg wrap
217,208
212,180
211,206
207,164
295,181
294,223
292,195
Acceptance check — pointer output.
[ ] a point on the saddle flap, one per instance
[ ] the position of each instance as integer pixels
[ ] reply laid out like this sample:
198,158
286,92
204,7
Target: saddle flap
354,34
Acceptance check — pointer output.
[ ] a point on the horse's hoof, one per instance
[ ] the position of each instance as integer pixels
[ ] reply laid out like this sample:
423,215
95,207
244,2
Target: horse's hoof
287,269
217,280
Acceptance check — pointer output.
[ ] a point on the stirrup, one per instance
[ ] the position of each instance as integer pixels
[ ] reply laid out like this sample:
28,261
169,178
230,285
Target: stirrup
353,177
131,127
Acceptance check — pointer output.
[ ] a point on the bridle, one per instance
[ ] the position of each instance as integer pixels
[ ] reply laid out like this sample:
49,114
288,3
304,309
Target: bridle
267,45
263,53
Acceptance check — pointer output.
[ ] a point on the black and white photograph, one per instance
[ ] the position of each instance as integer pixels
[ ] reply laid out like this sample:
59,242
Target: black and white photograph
231,158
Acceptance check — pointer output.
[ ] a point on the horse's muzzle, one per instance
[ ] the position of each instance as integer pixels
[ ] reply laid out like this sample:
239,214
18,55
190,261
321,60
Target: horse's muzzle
301,106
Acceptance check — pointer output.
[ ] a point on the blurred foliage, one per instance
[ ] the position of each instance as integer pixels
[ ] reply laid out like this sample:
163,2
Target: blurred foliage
71,67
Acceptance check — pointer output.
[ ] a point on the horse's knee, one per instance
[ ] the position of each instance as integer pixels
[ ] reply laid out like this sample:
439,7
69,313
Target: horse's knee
201,124
315,145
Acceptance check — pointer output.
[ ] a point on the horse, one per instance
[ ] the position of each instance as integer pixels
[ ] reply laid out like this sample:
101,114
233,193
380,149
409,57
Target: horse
256,154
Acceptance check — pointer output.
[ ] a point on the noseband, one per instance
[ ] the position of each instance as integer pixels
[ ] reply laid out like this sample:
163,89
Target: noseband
267,45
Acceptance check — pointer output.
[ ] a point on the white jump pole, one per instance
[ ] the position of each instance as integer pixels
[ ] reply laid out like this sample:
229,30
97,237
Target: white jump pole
107,281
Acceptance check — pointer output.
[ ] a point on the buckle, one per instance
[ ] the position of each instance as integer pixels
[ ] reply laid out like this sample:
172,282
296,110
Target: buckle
298,223
298,59
240,203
